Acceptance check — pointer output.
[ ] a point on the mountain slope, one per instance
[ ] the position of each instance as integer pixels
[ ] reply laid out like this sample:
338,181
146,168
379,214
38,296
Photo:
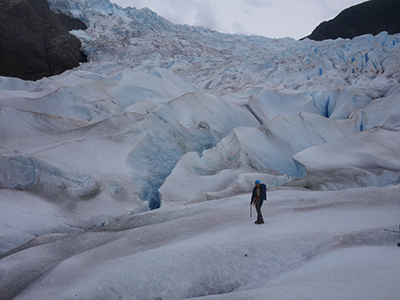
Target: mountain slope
35,41
370,17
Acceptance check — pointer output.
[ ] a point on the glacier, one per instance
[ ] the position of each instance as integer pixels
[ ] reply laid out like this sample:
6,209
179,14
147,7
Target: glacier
130,176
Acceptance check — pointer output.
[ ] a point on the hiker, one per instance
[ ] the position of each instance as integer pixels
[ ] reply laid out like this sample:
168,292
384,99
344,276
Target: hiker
257,199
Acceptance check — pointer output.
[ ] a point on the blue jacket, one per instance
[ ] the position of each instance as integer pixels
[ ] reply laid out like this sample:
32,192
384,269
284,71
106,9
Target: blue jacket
263,193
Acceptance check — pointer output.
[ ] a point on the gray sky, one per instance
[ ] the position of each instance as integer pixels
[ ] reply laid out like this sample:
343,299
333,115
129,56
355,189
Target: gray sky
270,18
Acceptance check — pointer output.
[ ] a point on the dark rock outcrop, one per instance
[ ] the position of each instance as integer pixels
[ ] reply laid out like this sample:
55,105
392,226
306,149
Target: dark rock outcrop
371,17
35,42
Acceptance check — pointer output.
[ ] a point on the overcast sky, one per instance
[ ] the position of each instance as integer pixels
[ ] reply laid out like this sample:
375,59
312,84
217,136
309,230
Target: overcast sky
270,18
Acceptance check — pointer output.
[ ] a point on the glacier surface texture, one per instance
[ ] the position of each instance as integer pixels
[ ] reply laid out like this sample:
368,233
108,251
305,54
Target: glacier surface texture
129,177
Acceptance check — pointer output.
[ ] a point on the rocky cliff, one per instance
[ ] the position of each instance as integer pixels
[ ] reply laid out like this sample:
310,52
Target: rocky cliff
35,41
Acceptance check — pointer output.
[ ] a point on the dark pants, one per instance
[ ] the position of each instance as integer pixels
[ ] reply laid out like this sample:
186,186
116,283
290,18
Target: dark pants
259,214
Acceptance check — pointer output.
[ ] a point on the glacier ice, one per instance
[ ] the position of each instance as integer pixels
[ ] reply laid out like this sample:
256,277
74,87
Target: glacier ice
369,158
154,92
252,150
148,99
212,250
165,115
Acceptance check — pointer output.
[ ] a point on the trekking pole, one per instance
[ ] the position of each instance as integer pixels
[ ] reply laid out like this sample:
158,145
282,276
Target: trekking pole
251,210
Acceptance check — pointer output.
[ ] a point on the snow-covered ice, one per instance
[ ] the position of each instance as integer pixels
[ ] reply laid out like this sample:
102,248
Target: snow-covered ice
184,119
314,245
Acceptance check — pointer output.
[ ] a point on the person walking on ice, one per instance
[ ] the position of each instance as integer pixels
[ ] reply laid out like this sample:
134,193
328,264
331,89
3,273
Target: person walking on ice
257,199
